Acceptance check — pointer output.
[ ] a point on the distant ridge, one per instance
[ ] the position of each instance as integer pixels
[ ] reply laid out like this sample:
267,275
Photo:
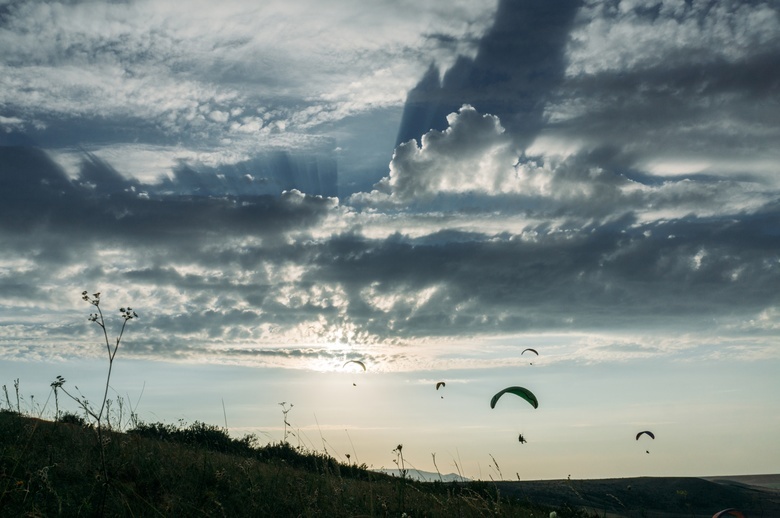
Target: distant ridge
424,476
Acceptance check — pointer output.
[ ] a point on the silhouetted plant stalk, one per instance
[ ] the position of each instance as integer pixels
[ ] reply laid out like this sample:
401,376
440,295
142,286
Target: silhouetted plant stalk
56,400
7,399
437,467
16,387
399,461
126,314
285,410
497,467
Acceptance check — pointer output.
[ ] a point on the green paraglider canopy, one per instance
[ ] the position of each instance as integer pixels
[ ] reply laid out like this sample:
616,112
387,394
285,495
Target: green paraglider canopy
517,391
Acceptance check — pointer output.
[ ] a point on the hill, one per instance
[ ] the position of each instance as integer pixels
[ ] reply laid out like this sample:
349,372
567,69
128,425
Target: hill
652,497
767,481
60,469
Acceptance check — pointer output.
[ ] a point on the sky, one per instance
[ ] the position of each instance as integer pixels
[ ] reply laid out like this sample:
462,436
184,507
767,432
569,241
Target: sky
280,187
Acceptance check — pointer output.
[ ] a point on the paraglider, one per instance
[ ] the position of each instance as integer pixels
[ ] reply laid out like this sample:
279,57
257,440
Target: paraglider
517,391
649,433
358,362
532,350
355,361
440,385
521,392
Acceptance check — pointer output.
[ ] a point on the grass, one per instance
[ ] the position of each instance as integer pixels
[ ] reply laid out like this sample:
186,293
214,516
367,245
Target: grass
55,468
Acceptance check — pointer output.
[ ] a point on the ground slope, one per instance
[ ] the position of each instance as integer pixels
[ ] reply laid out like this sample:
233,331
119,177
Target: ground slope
651,497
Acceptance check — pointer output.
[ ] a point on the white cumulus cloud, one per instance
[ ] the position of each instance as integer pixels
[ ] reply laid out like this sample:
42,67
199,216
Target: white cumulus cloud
472,155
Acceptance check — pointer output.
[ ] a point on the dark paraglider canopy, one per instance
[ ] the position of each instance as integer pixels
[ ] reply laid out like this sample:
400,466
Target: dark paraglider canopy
521,439
354,361
517,391
358,362
532,350
440,384
652,436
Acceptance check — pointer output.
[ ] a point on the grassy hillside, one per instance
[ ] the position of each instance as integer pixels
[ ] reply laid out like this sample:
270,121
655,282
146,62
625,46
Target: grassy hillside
54,469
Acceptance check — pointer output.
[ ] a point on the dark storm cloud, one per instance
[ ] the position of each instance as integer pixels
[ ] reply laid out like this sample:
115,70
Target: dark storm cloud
37,194
101,178
269,173
613,275
53,225
677,87
705,109
519,62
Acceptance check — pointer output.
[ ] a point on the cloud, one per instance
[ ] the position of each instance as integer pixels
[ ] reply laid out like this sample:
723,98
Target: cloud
672,87
101,203
572,189
472,154
164,61
519,61
9,124
229,273
472,166
635,35
228,85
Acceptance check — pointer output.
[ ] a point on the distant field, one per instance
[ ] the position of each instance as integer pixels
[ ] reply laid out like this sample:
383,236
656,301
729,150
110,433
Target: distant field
646,497
769,481
657,497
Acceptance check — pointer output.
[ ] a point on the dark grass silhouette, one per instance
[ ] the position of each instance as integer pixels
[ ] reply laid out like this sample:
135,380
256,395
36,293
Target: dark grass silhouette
52,468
